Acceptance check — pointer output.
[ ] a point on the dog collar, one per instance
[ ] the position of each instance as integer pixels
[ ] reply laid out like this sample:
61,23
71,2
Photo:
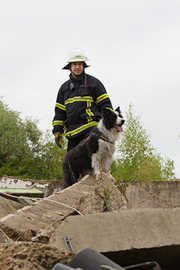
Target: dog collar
104,138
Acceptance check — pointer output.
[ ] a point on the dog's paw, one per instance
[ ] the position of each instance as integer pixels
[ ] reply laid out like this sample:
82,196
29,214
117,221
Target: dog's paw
99,176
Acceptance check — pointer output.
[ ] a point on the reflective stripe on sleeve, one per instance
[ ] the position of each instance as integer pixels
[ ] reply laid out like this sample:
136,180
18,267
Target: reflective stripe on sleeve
102,97
109,108
60,106
57,123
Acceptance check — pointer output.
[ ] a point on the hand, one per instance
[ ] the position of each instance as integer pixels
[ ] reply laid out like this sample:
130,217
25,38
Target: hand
58,138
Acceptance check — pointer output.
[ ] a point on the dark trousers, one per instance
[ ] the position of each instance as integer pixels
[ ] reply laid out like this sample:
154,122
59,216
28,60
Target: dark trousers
72,142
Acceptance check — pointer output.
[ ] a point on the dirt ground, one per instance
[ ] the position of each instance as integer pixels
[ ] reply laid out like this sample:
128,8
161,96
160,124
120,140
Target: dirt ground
30,256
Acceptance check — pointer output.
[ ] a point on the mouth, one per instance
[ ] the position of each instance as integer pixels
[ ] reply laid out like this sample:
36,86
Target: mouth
77,71
118,128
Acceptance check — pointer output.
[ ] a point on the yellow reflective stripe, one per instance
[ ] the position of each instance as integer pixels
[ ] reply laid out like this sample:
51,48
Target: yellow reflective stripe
89,112
57,122
60,106
109,108
75,99
102,97
78,130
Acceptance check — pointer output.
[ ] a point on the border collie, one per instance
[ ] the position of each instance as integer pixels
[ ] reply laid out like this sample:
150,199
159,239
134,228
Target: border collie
94,154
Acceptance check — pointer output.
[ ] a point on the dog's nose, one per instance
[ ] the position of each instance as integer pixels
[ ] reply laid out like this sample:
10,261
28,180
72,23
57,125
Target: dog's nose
122,122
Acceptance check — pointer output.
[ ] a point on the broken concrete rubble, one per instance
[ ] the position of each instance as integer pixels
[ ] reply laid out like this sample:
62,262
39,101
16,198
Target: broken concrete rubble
9,206
88,196
85,197
122,207
26,187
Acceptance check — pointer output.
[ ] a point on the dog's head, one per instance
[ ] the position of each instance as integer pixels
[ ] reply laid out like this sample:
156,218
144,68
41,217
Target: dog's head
113,119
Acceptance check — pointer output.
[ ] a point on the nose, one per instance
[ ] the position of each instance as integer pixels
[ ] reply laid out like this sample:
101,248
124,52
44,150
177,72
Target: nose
122,122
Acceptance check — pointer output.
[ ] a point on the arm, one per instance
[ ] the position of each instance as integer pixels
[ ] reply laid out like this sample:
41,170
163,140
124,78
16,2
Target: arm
60,114
101,97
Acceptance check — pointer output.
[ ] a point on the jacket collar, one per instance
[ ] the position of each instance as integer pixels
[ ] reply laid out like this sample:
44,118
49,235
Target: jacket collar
79,78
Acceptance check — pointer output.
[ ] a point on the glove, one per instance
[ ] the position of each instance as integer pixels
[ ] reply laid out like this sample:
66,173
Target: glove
58,138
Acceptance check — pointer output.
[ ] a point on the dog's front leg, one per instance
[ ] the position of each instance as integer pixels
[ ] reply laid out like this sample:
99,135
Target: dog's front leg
107,167
96,166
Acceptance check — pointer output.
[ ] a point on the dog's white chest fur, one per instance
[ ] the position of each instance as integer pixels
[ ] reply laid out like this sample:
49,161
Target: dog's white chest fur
101,161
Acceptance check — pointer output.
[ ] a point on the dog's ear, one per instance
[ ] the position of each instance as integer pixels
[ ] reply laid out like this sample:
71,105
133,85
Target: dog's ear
109,117
118,110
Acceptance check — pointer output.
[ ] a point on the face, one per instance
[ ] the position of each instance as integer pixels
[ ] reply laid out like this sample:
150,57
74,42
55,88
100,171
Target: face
77,68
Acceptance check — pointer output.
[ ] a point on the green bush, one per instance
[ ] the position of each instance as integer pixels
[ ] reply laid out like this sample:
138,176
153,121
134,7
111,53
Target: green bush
137,159
24,150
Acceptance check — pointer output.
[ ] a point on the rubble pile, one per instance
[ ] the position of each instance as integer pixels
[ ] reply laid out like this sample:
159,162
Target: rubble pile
25,234
95,213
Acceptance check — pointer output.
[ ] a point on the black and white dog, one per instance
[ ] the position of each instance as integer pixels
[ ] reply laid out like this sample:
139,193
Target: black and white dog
94,154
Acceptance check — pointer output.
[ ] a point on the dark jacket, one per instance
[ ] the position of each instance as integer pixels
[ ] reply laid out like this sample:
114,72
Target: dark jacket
79,104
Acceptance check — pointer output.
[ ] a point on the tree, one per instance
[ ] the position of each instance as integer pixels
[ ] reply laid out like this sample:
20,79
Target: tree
137,159
24,150
51,157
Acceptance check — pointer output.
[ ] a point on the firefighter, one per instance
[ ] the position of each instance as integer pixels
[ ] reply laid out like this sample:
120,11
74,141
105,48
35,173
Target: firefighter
79,103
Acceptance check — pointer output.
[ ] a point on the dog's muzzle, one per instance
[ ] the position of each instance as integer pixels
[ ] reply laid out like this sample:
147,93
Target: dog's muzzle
119,127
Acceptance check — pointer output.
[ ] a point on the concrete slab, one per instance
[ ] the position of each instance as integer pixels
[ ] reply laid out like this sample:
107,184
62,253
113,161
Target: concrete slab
120,230
9,206
163,194
86,197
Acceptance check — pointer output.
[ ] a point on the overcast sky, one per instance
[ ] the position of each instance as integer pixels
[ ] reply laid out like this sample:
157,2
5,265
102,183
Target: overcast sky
133,47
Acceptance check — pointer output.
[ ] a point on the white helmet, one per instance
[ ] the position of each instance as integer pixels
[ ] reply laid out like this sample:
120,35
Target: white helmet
76,57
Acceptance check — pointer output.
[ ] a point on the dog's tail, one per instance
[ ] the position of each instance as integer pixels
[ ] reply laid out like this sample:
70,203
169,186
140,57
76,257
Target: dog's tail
69,177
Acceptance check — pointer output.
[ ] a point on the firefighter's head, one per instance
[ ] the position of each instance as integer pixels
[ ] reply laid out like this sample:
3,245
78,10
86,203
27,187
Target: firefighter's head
76,63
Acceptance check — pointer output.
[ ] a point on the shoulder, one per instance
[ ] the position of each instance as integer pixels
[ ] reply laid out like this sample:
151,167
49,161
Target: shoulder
95,82
64,86
93,79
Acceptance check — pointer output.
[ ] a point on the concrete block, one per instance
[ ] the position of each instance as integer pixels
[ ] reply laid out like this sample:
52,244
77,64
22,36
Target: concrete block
120,230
